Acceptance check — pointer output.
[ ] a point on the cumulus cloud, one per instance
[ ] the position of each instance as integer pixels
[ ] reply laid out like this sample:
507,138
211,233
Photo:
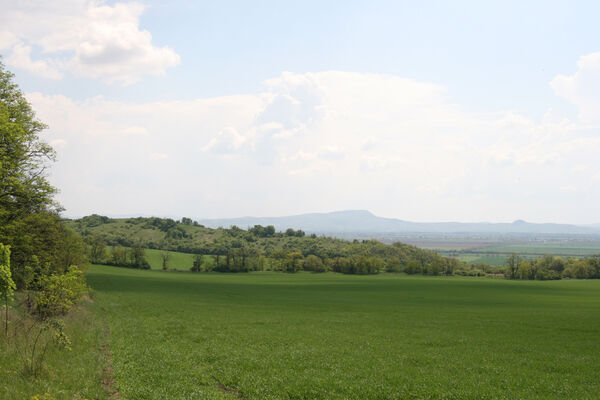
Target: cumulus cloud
83,37
318,141
21,58
583,87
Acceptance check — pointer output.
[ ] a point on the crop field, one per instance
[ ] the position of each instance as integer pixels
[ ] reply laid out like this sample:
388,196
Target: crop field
179,335
560,249
494,251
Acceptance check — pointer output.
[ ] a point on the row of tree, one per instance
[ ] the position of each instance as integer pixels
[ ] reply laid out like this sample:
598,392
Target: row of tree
550,267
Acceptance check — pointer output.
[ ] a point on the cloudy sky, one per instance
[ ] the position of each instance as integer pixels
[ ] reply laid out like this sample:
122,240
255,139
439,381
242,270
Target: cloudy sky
425,111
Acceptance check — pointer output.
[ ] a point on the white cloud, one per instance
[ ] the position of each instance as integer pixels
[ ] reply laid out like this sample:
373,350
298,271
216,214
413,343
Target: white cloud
21,58
84,37
582,88
321,141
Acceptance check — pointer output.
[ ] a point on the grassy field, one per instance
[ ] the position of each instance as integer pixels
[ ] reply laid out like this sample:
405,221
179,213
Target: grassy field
178,335
181,261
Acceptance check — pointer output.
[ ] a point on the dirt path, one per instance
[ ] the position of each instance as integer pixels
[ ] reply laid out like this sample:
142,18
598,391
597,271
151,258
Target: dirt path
108,380
233,392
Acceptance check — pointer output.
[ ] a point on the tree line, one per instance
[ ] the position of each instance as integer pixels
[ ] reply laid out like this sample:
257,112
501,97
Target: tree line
41,259
550,268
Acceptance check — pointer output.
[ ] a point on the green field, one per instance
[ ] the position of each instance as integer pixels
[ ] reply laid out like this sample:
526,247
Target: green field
575,249
330,336
496,253
181,261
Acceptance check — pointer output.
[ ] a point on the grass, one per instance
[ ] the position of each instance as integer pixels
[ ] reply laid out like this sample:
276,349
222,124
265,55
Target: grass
180,261
181,335
177,260
75,374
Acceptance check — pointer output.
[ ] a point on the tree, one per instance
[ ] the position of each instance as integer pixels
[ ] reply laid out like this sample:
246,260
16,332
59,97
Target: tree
290,232
292,261
7,286
29,220
187,221
24,157
313,263
97,249
137,257
165,256
198,262
118,256
512,263
42,238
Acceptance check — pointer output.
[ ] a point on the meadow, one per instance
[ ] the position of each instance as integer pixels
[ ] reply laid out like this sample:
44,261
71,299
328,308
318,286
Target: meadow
181,261
180,335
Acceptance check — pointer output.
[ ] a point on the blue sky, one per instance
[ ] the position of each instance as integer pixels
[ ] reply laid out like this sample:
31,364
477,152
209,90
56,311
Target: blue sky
491,112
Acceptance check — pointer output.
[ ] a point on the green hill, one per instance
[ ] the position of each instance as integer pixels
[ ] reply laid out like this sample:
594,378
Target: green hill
261,247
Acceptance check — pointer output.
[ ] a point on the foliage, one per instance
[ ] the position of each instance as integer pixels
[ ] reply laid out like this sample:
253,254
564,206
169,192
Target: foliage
39,327
42,239
551,268
165,257
262,231
97,248
7,285
23,155
59,293
259,248
198,263
134,257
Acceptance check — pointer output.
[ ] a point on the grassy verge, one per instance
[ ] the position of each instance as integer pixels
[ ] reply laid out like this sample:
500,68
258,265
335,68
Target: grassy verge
75,374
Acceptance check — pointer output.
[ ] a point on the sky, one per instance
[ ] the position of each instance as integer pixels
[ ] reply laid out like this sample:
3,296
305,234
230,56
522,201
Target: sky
424,111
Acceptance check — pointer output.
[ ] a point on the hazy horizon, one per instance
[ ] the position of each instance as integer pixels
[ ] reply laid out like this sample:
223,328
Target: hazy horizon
425,112
202,218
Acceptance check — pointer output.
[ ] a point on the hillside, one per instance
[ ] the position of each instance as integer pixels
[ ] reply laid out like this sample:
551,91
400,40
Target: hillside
190,237
362,221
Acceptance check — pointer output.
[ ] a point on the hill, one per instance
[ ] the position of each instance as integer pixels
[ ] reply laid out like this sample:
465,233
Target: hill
259,246
362,221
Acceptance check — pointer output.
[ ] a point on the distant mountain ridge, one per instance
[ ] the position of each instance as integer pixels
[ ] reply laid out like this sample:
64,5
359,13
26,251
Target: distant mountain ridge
363,221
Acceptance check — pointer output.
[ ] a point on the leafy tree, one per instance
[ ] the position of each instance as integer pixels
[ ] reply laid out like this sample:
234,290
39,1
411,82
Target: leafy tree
198,263
137,257
119,256
313,263
165,256
512,264
290,232
24,157
292,261
42,238
526,270
29,220
97,249
59,293
7,286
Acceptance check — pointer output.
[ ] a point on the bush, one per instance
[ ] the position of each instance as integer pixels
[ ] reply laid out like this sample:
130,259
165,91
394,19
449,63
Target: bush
59,294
